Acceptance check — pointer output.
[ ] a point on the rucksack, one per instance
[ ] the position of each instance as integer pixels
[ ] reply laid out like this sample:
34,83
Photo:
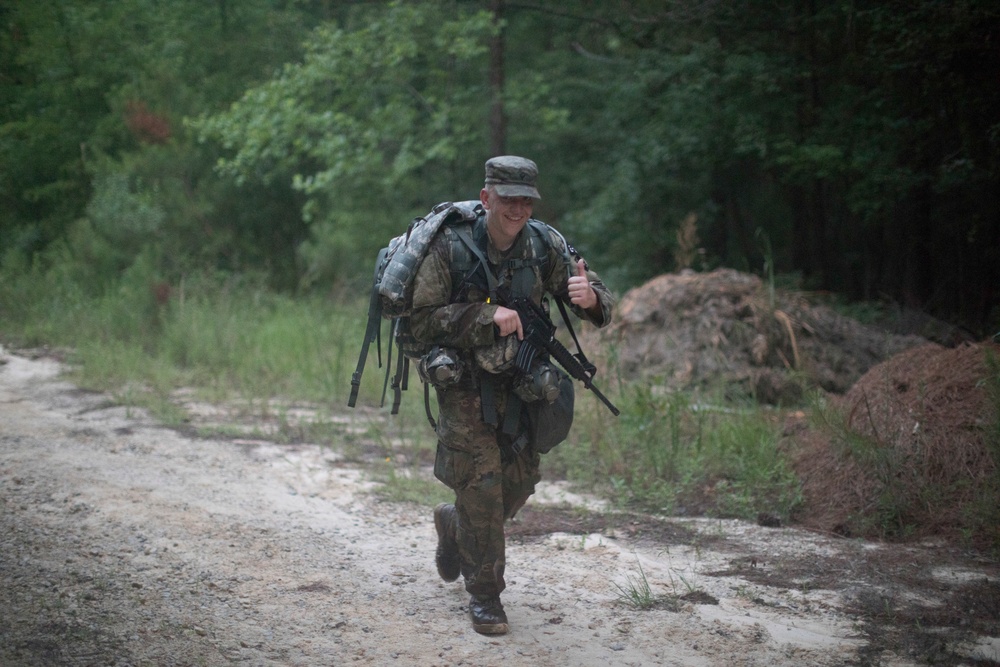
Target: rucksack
392,288
392,294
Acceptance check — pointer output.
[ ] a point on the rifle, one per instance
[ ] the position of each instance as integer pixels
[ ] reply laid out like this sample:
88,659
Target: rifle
540,336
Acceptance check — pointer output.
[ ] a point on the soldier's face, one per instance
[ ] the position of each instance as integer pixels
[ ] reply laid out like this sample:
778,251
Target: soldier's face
505,216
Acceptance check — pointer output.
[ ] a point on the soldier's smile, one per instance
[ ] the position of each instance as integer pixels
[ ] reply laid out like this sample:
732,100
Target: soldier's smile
506,217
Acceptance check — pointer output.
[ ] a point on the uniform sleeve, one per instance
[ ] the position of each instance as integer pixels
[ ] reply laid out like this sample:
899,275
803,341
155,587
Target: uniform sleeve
437,321
556,284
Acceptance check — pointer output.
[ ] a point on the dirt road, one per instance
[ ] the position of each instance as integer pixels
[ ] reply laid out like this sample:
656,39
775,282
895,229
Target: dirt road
125,543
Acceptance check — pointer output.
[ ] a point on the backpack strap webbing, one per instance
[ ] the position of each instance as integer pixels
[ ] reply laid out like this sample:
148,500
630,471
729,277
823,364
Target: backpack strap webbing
522,281
400,380
466,238
542,230
388,362
373,331
523,278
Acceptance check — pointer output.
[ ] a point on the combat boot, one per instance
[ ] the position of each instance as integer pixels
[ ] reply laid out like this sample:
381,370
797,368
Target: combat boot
488,617
446,557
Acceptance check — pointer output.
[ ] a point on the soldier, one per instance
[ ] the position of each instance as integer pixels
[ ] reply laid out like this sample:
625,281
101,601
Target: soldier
483,451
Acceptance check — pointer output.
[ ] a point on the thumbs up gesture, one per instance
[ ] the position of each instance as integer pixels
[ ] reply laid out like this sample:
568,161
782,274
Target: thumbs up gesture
580,291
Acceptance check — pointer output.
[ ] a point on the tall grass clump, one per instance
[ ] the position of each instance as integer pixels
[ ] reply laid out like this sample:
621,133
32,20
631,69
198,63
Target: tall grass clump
261,344
992,383
670,452
225,333
883,470
38,306
227,336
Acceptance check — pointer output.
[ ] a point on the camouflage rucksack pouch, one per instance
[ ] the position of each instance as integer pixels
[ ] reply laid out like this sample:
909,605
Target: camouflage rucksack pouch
406,251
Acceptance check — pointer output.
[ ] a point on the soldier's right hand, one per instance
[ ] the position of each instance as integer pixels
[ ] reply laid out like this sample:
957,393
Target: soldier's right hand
507,322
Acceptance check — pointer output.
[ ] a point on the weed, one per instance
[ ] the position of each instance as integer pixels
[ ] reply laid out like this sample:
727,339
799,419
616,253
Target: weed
688,586
636,592
669,447
768,252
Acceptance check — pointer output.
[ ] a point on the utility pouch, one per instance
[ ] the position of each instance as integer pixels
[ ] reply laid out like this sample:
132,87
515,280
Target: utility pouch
441,367
542,383
549,422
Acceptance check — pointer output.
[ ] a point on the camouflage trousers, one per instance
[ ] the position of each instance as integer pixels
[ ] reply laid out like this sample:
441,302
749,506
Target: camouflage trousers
488,489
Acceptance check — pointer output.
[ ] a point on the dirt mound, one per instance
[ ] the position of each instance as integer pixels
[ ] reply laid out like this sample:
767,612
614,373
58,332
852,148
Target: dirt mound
909,444
907,451
725,328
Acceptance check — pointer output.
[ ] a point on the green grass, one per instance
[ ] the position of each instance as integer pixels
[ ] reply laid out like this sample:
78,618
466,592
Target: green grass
992,386
676,452
636,591
407,484
232,340
887,516
236,339
985,513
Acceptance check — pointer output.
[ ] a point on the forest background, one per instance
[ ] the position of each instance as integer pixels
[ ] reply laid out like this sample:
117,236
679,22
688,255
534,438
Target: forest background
192,194
849,147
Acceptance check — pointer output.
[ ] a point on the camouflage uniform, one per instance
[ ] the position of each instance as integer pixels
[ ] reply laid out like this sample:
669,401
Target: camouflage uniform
489,487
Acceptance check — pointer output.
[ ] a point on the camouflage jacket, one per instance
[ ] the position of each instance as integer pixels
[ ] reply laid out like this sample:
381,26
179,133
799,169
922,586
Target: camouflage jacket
459,315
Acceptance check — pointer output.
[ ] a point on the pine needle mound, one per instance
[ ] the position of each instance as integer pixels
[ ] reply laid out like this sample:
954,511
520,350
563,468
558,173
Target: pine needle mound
910,450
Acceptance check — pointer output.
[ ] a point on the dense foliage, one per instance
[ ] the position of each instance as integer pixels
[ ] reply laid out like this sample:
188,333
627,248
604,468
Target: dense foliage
853,145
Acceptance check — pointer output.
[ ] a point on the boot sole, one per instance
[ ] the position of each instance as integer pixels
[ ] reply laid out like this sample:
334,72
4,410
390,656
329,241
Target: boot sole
491,629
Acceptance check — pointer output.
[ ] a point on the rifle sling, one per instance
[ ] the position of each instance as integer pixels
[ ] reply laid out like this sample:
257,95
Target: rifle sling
590,368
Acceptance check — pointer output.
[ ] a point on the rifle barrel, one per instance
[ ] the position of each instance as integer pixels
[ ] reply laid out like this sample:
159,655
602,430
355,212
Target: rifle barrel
604,399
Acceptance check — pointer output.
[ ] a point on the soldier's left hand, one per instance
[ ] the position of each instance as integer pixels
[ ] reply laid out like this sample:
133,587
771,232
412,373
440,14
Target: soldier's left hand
580,291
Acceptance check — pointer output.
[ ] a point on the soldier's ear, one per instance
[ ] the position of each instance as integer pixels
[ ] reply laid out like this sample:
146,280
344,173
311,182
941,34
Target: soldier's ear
484,198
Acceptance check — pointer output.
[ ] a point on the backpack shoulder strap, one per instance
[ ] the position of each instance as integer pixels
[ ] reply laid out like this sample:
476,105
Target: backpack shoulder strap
464,234
544,232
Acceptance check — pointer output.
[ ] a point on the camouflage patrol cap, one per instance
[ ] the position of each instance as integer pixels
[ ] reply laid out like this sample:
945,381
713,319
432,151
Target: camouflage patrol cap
512,176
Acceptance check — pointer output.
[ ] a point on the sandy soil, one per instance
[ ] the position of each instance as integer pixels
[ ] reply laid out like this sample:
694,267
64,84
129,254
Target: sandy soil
126,543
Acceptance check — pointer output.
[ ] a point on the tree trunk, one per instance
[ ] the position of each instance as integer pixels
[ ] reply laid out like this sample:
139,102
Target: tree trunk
498,119
223,17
